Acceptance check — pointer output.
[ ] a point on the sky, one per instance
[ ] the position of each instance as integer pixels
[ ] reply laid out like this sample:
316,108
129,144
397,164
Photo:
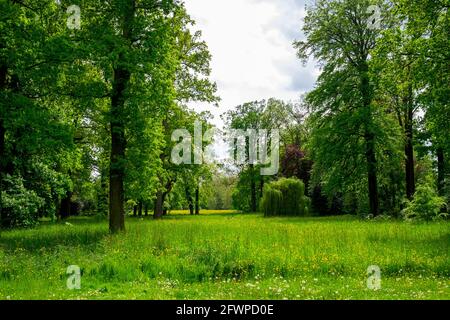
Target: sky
251,42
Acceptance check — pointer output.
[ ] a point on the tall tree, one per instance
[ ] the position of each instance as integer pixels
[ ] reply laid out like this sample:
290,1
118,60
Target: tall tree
36,129
138,71
247,117
395,55
340,36
427,23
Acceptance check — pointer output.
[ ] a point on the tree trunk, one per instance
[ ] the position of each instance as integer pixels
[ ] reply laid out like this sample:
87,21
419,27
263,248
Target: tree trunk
146,209
409,147
3,213
372,176
369,141
189,201
441,170
252,188
118,145
65,206
159,204
135,208
118,141
164,209
159,210
261,187
197,204
409,154
140,208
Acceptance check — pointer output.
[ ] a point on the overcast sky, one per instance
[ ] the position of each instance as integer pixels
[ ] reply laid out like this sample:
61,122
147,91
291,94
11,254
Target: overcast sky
251,46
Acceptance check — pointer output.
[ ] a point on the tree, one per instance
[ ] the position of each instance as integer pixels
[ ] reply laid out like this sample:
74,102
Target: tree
244,117
184,178
396,59
340,37
139,57
37,148
427,23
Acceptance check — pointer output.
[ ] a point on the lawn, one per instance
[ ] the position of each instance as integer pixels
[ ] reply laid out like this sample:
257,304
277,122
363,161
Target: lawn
227,256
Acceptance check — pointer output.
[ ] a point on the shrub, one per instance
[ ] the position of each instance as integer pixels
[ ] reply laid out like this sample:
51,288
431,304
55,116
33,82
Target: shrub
20,205
285,197
271,202
427,204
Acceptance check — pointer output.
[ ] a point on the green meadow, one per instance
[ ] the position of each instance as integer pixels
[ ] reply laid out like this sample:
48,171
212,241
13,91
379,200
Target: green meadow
225,255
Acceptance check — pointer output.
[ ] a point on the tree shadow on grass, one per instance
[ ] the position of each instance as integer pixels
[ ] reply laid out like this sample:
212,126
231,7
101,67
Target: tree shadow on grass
49,239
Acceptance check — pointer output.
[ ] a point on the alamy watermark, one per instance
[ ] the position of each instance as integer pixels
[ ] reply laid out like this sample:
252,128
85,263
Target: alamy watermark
374,278
246,146
73,11
74,279
374,21
74,19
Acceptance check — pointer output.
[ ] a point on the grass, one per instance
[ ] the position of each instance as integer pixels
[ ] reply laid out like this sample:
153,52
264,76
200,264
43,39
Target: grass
204,212
227,256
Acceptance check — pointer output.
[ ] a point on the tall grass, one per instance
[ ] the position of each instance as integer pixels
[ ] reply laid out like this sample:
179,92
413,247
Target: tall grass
192,257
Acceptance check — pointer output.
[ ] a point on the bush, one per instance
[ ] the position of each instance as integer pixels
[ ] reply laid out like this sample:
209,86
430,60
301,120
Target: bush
285,197
271,203
427,205
20,206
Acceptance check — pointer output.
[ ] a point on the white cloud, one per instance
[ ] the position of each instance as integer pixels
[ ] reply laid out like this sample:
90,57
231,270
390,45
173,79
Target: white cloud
251,43
252,53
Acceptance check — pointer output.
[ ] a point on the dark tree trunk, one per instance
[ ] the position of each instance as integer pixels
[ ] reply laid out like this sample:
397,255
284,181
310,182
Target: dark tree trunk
140,208
372,174
409,154
135,209
409,147
252,188
118,145
65,207
306,166
3,213
197,203
159,209
189,201
441,170
146,209
118,141
159,204
370,142
261,187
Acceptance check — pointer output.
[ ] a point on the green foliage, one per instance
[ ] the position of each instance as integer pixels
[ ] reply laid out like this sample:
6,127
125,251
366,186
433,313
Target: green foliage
285,197
272,202
242,191
57,95
219,191
427,205
21,204
287,118
241,198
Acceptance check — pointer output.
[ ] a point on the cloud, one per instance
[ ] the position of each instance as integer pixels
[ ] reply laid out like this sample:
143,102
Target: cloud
251,42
